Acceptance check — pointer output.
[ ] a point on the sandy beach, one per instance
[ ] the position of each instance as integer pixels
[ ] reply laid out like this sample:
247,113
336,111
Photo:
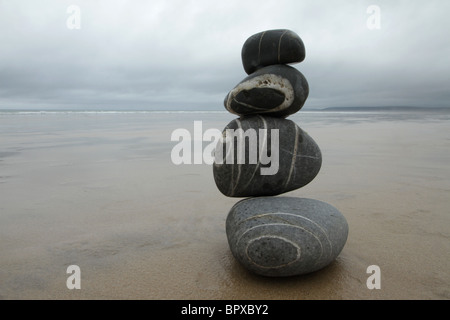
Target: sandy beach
99,190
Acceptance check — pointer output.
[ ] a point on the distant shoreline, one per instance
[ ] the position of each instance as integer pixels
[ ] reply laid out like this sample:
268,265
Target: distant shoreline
170,110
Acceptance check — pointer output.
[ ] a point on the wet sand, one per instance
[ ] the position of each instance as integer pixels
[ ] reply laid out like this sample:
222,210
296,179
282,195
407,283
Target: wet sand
100,191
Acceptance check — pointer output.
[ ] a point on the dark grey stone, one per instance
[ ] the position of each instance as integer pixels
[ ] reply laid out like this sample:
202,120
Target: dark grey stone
285,236
277,91
293,157
272,47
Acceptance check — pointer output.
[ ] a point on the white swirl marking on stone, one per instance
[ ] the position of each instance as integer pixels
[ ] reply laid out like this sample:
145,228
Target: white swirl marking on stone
285,225
267,80
274,237
324,233
295,216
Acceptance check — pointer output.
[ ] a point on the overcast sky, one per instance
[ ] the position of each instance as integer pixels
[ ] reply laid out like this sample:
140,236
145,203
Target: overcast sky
172,54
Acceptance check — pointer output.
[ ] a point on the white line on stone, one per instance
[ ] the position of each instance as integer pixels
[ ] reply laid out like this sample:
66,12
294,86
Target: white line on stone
279,46
294,157
259,47
265,127
274,237
235,184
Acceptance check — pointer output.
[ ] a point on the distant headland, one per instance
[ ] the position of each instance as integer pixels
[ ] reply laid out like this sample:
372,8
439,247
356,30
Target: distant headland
388,108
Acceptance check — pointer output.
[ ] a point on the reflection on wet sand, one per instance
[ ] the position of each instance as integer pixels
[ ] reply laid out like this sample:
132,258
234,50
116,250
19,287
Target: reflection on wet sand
99,191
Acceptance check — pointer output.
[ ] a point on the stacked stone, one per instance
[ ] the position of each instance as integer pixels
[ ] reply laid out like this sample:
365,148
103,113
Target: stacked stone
270,235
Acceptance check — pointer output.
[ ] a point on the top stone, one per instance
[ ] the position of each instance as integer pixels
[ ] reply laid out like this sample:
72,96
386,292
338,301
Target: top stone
270,47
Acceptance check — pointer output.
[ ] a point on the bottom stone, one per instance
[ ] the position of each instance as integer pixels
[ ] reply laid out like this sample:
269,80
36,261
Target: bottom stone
285,236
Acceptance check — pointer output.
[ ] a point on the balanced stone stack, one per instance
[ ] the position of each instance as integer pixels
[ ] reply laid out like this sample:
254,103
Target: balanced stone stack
267,234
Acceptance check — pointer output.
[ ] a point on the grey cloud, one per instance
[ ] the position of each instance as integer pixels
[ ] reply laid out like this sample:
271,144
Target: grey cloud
186,54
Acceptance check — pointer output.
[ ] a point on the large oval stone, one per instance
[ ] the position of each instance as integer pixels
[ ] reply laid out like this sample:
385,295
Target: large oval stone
285,236
270,47
277,90
264,156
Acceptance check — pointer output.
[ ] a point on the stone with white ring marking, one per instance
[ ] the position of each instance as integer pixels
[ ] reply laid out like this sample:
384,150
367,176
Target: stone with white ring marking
285,236
276,90
293,163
